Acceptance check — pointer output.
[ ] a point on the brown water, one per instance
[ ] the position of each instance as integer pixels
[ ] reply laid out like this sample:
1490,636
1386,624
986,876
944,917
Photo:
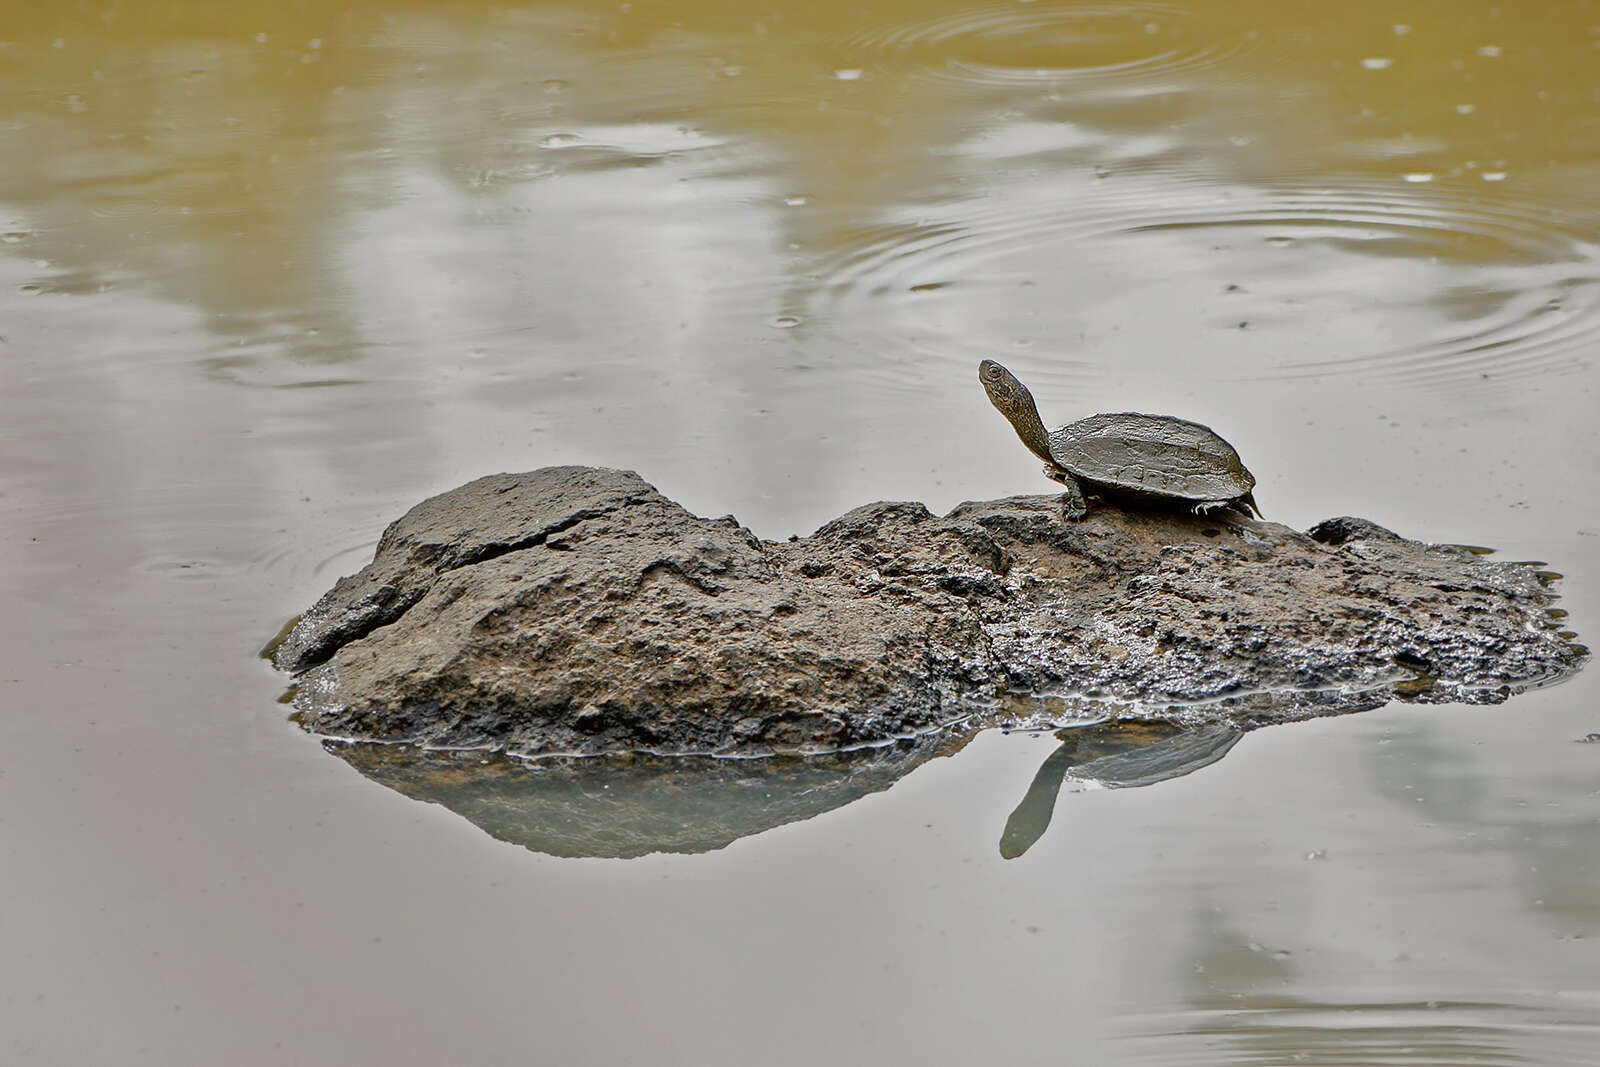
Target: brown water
270,273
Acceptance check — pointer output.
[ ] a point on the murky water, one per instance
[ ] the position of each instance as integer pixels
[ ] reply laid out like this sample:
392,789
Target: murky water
271,273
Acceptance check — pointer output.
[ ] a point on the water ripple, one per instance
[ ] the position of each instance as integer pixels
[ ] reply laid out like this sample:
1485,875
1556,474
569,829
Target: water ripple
1030,43
1435,286
1287,1029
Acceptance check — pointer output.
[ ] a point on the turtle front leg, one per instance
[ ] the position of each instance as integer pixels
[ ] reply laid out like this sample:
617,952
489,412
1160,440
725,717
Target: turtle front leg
1073,505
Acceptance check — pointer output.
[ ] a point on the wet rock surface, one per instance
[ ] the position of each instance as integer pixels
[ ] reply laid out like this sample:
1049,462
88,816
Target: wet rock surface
577,610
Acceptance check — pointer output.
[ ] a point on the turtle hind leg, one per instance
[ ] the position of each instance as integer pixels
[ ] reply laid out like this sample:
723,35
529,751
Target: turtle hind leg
1073,505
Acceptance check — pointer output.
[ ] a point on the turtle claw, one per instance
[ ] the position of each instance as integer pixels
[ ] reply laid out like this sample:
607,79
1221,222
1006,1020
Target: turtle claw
1244,505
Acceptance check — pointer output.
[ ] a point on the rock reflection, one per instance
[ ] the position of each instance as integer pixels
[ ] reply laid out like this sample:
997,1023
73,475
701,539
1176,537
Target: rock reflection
623,807
1118,755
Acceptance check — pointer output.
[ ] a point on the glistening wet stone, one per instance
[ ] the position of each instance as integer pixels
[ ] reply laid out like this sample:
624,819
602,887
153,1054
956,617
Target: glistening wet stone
576,610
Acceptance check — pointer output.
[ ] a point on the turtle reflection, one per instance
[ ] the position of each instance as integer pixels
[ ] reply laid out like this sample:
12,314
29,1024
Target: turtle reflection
1116,754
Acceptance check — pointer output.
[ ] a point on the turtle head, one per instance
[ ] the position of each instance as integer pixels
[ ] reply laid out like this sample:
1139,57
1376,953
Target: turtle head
1014,401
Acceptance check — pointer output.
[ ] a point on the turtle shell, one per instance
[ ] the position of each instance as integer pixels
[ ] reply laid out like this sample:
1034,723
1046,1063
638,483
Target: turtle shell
1155,454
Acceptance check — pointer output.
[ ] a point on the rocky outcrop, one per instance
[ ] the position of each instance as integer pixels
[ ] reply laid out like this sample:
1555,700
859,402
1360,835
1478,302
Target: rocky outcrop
577,610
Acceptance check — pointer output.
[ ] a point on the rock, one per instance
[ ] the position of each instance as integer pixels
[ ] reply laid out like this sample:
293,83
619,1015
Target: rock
576,610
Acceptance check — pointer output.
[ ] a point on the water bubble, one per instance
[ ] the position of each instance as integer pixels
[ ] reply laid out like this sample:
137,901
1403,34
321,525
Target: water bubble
15,237
1418,176
1317,854
847,74
798,200
260,38
1466,109
1400,29
1280,242
1493,175
1489,51
786,322
554,85
560,140
1377,63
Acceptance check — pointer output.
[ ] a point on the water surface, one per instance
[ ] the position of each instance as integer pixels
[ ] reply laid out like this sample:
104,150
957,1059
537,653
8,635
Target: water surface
269,274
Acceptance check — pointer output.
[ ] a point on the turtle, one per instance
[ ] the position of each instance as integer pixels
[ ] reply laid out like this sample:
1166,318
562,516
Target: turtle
1149,457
